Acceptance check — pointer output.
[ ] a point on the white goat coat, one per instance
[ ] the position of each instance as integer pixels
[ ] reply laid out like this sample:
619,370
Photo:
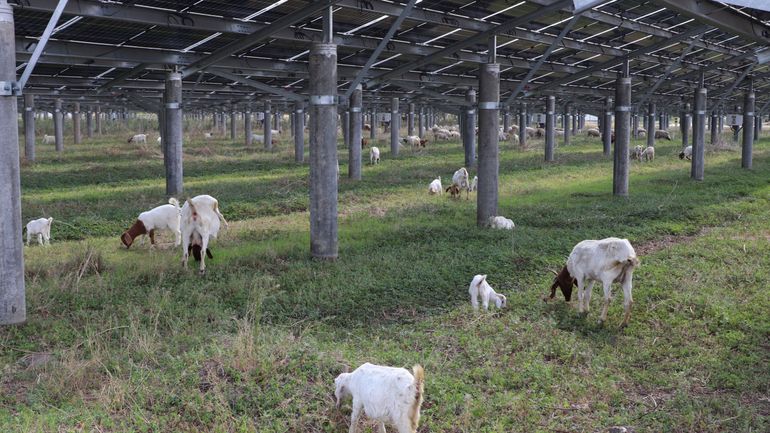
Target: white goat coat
501,222
687,152
41,228
460,178
163,217
607,260
474,184
435,186
138,138
199,226
49,139
480,287
386,394
413,140
374,155
648,154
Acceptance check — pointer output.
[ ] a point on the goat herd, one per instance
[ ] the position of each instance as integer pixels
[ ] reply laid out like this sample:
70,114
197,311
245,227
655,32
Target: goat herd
387,394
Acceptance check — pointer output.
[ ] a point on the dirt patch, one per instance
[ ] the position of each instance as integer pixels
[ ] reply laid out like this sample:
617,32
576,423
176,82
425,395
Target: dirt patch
655,245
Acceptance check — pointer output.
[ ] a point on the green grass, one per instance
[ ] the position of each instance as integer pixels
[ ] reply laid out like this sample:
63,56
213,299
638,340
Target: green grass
138,344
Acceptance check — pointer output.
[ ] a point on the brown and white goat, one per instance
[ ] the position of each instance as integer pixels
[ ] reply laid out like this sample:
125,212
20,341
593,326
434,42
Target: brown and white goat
200,222
164,217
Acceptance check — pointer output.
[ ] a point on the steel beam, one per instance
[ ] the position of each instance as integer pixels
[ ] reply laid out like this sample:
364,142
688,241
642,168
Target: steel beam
722,18
257,85
476,39
244,43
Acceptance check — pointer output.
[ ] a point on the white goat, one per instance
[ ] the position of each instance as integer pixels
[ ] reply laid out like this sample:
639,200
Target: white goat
374,155
200,222
636,153
648,154
40,227
138,138
480,287
435,186
607,260
501,222
460,178
385,394
686,153
474,184
414,141
163,217
207,135
49,139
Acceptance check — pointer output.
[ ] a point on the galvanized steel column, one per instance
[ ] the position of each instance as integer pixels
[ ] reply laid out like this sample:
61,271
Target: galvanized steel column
506,119
489,125
607,126
58,125
523,125
299,132
468,130
550,133
395,125
89,122
698,133
174,137
714,128
420,122
685,125
233,126
410,121
635,127
12,294
356,122
268,128
98,116
247,129
373,123
76,122
566,124
748,127
323,150
651,124
29,127
622,132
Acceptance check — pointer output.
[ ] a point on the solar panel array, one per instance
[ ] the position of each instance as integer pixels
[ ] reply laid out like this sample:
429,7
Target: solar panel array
103,50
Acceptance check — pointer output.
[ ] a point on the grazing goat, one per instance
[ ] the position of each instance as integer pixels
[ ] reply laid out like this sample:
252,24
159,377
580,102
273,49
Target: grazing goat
648,154
530,131
539,133
374,155
415,141
513,130
501,222
460,178
164,217
641,133
49,139
480,287
607,260
42,228
636,153
593,132
200,222
686,153
138,138
454,134
385,394
474,184
207,135
435,186
454,190
662,134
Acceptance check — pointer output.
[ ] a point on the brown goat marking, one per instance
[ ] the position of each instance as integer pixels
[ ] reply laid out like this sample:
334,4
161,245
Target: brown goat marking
422,142
135,230
364,142
565,282
454,190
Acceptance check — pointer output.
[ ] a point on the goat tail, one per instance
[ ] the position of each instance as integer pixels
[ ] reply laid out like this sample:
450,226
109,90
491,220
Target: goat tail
419,388
173,201
192,206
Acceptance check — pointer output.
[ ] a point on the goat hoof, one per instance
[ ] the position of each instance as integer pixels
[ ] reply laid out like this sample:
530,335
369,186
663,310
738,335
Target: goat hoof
202,272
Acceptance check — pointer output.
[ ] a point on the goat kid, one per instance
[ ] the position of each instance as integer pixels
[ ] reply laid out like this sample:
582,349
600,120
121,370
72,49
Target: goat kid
383,394
435,186
41,228
480,287
374,155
